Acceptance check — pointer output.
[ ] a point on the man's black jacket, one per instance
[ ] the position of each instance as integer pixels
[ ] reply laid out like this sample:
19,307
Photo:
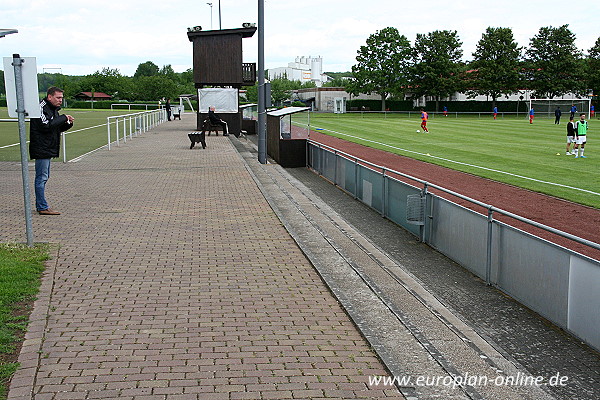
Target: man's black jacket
44,132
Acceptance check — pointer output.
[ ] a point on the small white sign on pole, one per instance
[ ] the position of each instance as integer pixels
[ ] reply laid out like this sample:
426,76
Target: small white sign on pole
30,87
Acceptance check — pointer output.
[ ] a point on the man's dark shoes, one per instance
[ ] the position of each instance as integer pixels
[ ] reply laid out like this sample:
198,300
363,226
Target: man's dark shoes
48,211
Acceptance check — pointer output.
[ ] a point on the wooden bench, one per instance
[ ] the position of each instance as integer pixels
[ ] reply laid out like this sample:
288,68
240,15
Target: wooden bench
197,137
210,127
176,112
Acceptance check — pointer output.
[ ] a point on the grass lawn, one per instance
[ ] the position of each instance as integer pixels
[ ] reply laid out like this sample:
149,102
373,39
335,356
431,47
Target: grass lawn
508,150
20,271
77,142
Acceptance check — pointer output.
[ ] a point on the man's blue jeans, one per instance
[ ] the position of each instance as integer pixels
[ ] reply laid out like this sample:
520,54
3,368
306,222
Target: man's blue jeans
42,173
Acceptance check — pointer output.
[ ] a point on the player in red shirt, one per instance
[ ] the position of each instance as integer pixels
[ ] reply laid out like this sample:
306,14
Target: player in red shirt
424,118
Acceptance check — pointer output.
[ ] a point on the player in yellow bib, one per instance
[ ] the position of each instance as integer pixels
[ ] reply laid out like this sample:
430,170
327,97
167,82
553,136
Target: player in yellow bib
581,128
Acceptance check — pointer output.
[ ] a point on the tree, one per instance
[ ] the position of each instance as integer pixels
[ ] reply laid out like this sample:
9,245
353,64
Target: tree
495,65
336,82
70,84
554,64
281,90
252,93
167,70
438,65
109,81
593,68
382,65
153,88
146,69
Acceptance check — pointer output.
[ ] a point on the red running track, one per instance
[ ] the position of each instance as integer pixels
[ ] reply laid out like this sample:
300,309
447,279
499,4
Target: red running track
573,218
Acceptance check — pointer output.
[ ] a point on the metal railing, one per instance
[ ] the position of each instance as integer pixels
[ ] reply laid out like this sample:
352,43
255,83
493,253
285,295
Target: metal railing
453,114
135,105
557,282
133,124
124,126
249,73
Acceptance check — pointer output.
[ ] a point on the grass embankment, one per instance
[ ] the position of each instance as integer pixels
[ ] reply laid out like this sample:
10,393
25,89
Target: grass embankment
20,271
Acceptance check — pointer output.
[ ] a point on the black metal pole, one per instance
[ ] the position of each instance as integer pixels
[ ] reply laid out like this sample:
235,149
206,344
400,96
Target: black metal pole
262,136
219,15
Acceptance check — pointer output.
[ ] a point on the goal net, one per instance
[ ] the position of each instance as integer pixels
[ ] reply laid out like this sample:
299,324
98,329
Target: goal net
546,107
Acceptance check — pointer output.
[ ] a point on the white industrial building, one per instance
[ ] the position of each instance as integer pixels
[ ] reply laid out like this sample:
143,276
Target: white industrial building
303,69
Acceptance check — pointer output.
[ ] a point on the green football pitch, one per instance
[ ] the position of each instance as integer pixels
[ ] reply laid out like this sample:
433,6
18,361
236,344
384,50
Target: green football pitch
508,149
88,133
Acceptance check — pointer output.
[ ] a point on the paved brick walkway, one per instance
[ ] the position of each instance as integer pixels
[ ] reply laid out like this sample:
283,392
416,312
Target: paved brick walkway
174,279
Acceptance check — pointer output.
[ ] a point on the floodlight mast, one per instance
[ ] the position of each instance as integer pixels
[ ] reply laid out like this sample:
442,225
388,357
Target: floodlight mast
220,15
4,32
211,24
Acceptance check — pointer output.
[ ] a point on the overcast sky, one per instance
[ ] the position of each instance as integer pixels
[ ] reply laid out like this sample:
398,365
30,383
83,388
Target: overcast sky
78,37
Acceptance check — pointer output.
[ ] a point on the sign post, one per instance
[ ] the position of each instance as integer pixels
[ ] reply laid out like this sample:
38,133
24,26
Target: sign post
15,96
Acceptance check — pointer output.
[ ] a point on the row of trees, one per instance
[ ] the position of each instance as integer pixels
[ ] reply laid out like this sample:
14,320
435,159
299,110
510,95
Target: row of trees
550,66
149,83
390,66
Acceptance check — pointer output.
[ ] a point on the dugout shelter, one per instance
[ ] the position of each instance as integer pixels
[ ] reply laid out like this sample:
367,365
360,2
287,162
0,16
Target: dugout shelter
286,138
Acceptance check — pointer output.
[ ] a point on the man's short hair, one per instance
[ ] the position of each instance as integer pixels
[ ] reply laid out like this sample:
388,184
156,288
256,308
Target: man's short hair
53,89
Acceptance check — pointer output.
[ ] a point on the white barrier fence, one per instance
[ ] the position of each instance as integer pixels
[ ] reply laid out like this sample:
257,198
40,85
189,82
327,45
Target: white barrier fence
124,125
115,106
133,124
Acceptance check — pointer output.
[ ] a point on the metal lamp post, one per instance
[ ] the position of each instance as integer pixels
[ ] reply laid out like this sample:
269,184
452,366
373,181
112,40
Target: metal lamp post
220,15
211,25
4,32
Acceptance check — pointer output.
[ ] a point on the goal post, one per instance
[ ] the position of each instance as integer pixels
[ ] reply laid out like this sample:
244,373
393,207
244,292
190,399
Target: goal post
546,107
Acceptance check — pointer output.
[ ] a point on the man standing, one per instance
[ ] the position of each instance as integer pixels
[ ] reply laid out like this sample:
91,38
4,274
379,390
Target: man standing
571,136
557,114
495,112
44,135
573,110
581,131
168,109
424,118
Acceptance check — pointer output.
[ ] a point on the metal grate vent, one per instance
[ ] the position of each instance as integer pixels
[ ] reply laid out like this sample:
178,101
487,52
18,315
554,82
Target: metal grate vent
415,209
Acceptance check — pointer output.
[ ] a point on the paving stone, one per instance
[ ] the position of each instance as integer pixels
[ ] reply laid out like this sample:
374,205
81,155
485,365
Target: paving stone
172,268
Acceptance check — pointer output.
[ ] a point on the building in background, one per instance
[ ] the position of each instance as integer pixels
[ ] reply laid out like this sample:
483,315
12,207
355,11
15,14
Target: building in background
328,99
303,69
